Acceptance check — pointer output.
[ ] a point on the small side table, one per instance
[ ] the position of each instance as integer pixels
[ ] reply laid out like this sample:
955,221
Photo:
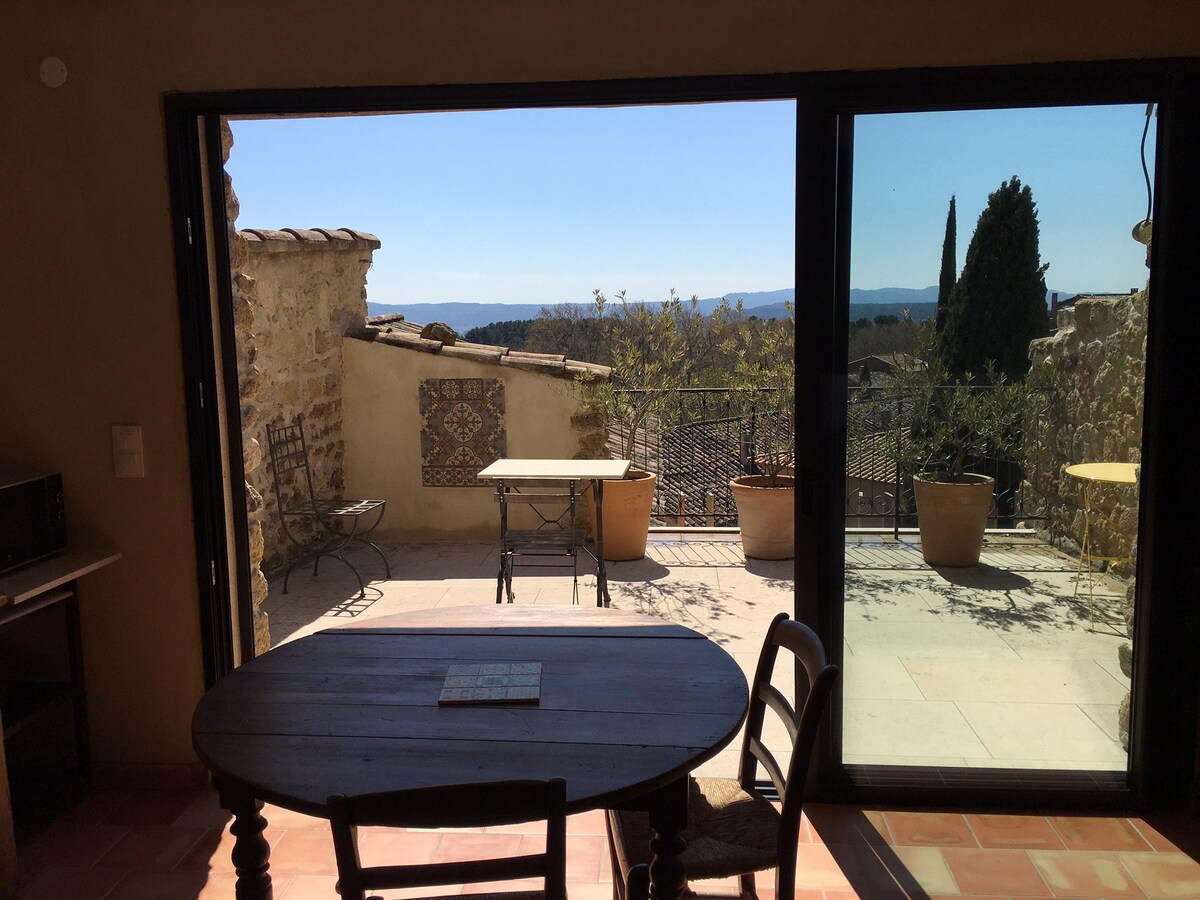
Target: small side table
1089,474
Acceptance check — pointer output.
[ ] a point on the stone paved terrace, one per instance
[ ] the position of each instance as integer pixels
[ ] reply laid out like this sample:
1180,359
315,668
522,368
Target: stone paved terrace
991,666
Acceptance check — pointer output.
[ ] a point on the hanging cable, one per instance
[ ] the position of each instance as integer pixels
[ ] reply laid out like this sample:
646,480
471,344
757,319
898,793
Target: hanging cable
1145,170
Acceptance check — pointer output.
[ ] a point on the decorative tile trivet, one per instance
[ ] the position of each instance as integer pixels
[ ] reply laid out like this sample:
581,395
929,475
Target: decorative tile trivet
510,682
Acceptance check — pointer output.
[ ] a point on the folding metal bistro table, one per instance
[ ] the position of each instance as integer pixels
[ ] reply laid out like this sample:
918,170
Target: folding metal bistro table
512,473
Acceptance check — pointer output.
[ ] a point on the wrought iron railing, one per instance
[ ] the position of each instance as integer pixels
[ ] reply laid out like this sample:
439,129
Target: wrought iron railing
879,492
705,436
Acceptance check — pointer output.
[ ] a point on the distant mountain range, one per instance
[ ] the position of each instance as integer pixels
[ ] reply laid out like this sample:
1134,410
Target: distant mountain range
921,302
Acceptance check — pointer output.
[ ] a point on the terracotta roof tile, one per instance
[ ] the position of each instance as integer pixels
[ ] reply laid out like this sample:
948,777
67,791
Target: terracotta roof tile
397,331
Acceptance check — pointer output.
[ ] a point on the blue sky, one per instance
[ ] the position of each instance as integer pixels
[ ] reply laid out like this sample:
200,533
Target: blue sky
542,206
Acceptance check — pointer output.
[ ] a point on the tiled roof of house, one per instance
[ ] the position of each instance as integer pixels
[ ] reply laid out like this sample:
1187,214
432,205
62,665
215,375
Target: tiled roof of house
394,330
304,238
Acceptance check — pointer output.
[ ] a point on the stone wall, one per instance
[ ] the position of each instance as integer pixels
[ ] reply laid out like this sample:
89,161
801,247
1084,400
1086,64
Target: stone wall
305,289
1097,359
249,381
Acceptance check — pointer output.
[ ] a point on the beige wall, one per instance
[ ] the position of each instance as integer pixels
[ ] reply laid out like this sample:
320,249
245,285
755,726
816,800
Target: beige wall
89,327
382,428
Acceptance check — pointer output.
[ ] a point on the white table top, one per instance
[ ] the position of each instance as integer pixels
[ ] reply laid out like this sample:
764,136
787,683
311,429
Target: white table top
556,469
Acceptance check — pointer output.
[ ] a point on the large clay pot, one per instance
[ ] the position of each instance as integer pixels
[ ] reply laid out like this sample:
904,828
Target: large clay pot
628,503
952,516
766,516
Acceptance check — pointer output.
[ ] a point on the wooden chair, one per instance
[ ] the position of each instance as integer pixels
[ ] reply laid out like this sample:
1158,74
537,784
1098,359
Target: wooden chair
732,829
339,522
556,535
455,806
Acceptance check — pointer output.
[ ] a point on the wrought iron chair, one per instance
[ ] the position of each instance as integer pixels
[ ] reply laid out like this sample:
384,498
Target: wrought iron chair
732,828
338,521
557,534
455,806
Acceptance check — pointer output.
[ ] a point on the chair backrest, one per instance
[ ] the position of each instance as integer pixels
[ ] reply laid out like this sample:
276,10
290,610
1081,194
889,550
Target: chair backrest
554,504
289,454
815,677
453,806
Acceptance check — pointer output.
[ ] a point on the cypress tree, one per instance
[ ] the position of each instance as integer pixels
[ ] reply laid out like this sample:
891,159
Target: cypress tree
999,303
949,273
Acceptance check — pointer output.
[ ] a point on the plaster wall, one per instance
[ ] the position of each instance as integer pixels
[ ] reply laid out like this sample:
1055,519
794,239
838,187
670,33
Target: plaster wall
382,429
89,321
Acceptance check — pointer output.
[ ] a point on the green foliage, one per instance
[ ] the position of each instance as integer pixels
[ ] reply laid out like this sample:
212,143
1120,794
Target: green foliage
571,330
761,359
949,271
653,349
943,425
999,303
510,334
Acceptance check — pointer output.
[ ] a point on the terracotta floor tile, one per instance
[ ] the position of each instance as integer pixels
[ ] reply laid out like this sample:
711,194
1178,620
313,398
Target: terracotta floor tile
157,849
995,871
70,846
94,806
1086,873
223,886
1170,830
304,851
147,808
930,829
393,846
590,822
309,887
278,817
158,886
213,851
816,869
831,823
204,812
458,846
54,883
1164,874
1097,833
1014,832
906,871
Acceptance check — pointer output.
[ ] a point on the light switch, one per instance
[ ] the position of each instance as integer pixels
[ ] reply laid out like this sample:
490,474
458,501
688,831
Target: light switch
127,451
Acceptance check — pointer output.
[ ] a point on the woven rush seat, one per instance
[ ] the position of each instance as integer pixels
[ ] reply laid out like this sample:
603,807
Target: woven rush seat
730,831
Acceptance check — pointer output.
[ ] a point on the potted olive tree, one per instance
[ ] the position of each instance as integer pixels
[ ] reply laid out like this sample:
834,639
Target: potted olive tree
941,428
649,348
762,376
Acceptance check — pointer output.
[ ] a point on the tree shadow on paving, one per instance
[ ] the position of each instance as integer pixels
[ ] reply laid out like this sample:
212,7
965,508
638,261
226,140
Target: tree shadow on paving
982,594
693,604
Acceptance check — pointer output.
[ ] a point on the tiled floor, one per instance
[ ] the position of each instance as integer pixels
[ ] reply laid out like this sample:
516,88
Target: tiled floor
1007,634
174,845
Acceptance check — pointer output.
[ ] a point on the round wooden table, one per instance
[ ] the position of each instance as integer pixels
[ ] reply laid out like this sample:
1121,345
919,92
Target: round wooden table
628,704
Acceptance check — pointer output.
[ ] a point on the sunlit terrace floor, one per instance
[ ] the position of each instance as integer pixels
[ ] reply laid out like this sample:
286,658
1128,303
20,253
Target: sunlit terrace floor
119,844
993,666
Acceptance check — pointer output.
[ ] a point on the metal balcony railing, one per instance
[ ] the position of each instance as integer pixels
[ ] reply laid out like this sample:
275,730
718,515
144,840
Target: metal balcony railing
703,438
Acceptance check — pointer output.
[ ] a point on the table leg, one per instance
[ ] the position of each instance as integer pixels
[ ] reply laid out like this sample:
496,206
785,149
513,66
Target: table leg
668,818
602,598
251,851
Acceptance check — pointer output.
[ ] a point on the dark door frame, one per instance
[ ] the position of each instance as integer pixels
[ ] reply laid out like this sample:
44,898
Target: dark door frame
1165,708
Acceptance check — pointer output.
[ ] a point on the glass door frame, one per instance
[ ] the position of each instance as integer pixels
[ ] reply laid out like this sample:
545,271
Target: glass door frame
1164,707
1166,662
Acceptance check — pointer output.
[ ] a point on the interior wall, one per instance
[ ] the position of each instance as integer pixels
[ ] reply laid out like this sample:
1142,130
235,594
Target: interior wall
88,312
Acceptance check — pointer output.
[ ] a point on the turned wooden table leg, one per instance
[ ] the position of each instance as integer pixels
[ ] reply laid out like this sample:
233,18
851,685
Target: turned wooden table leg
668,818
251,851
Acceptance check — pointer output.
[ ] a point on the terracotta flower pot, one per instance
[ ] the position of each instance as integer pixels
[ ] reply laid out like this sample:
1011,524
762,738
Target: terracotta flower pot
952,516
766,516
628,503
